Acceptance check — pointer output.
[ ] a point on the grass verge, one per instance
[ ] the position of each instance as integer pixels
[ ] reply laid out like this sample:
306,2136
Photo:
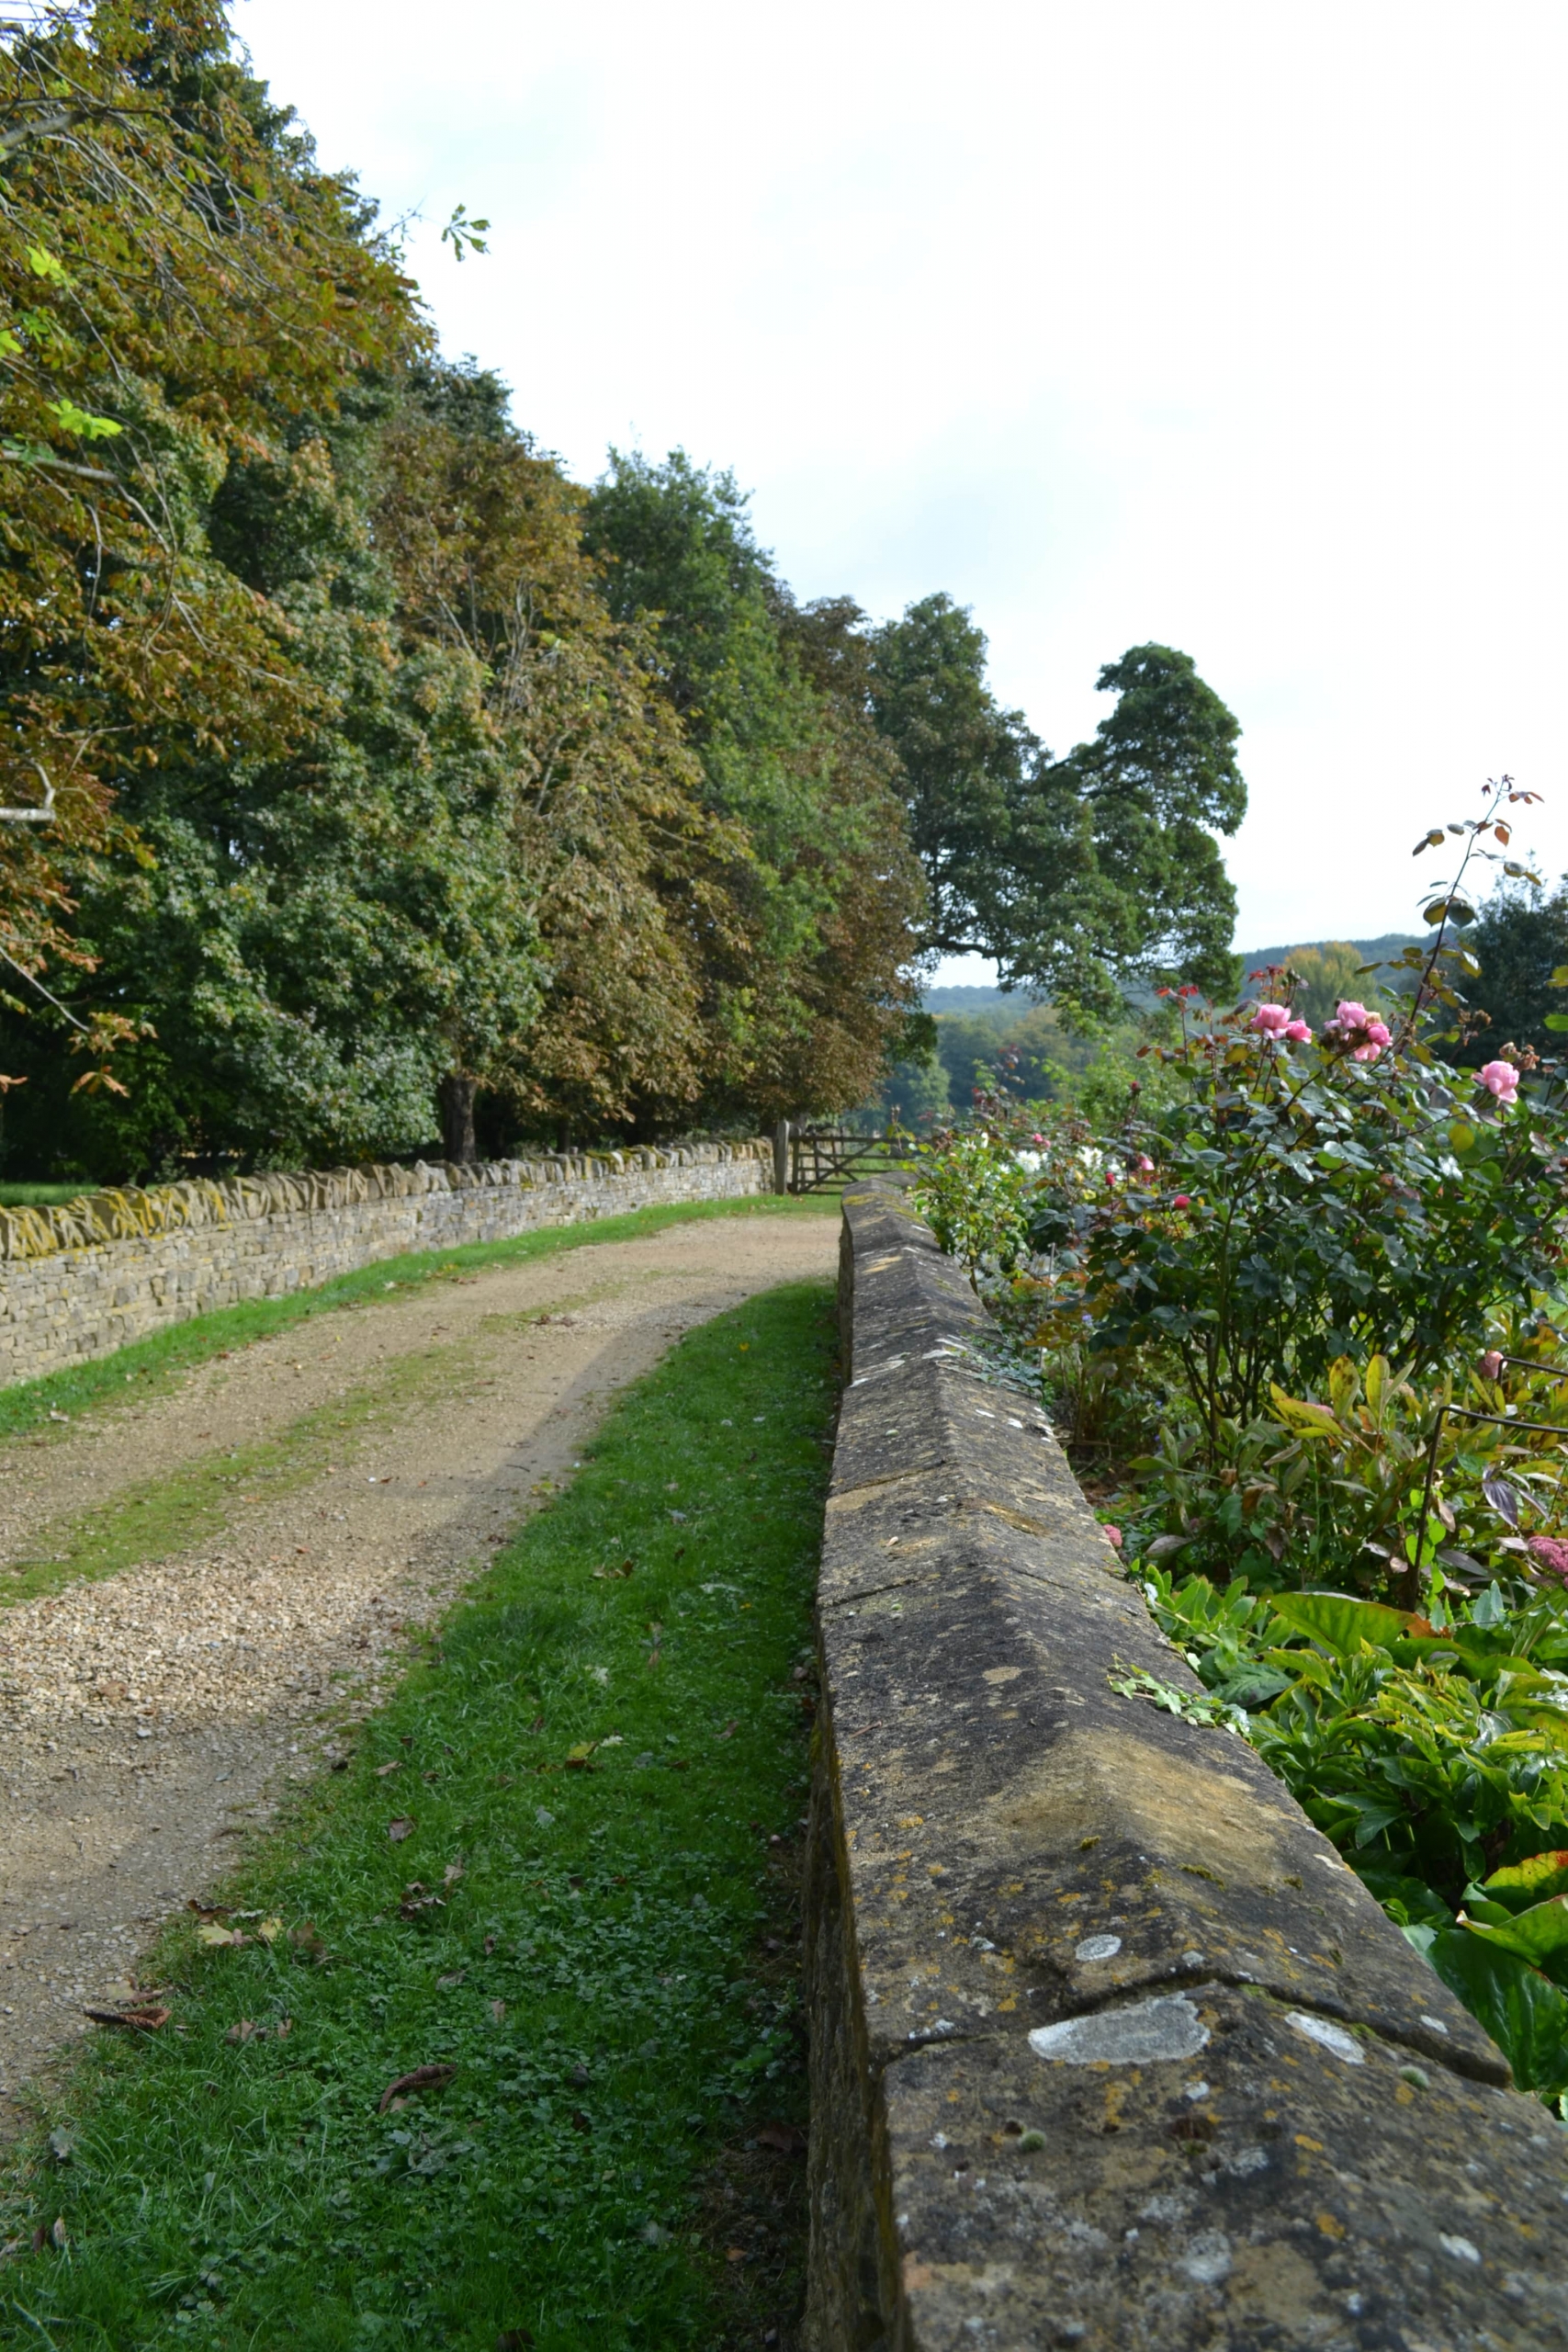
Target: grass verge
155,1362
574,1888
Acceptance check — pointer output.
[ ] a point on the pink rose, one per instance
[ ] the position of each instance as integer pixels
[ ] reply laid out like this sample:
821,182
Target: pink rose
1182,1201
1036,1138
1298,1033
1378,1032
1367,1053
1145,1164
1500,1078
1351,1015
1270,1019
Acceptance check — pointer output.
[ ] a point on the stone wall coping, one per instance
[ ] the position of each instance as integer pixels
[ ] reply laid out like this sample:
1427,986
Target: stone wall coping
1109,2048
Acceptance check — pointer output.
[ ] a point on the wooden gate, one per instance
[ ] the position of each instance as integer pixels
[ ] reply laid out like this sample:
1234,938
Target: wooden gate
822,1158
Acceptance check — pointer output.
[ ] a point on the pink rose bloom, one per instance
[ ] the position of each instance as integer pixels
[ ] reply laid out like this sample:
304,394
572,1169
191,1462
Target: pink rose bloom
1113,1536
1352,1016
1145,1164
1298,1033
1552,1557
1036,1138
1182,1201
1500,1078
1378,1032
1367,1053
1270,1019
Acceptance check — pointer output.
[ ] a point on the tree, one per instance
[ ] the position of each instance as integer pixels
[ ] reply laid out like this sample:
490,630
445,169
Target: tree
813,988
176,279
625,869
1519,940
1078,873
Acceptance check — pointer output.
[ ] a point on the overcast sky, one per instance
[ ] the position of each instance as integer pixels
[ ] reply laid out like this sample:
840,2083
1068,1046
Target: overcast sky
1234,326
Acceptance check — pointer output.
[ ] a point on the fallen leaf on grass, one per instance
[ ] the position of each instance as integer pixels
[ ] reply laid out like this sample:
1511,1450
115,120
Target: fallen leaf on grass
452,1873
445,1983
205,1912
730,1729
285,2028
270,1931
735,2253
422,2079
787,2138
626,1569
243,2032
498,2010
307,1938
490,1942
138,2020
576,1758
382,1770
402,1827
418,1897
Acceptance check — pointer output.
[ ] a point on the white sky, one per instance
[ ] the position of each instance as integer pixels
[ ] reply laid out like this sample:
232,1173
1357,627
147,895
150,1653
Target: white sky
1235,324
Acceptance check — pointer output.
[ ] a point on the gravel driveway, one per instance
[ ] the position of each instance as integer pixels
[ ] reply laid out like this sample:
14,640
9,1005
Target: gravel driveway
145,1718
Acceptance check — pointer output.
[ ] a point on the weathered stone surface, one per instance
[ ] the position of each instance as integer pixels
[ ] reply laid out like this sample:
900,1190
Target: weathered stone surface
1220,2177
1004,1847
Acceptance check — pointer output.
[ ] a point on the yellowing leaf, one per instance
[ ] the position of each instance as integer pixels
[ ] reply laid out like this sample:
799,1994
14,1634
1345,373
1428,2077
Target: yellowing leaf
1306,1419
268,1930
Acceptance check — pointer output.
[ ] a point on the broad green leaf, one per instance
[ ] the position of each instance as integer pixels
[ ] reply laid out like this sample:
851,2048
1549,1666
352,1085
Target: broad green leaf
1377,1383
1560,977
1526,2016
1520,1885
81,422
1537,1935
1557,1021
1343,1382
1340,1623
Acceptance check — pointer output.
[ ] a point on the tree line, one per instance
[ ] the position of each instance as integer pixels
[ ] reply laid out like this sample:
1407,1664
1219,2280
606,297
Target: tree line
372,780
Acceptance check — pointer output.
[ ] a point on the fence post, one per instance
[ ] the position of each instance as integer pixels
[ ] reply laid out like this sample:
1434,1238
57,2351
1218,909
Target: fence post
781,1157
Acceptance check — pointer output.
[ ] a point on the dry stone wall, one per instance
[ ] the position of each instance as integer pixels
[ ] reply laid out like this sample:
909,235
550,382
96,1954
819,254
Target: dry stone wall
1110,2049
82,1280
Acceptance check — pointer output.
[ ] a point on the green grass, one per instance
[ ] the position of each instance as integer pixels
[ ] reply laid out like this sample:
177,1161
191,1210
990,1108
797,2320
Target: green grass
40,1196
607,1762
155,1363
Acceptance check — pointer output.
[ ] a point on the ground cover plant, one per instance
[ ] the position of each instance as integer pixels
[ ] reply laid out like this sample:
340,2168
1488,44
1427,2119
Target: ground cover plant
1301,1315
494,2038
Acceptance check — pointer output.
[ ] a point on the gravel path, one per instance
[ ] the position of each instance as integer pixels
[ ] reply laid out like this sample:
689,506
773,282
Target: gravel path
144,1719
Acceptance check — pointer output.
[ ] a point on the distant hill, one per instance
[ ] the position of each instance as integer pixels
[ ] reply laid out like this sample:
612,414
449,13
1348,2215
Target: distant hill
987,1004
1371,950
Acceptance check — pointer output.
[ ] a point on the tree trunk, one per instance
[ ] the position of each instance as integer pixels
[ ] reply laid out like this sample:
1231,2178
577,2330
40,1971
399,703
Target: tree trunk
457,1118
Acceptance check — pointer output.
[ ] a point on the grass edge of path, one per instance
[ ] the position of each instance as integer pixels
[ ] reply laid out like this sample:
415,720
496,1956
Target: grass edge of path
41,1405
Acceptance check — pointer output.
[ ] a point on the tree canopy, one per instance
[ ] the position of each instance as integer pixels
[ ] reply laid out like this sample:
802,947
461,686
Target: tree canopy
391,783
1079,873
